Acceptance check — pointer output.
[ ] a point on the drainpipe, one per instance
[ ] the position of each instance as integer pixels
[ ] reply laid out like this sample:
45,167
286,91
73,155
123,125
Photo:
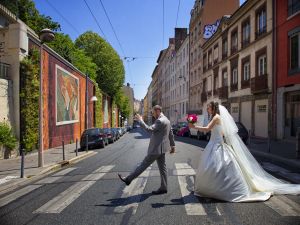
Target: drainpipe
274,77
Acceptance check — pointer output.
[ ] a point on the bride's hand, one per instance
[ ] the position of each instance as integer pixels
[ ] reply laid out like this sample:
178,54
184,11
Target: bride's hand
191,125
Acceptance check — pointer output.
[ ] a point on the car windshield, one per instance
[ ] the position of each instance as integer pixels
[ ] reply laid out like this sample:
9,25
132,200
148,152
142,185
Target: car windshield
91,131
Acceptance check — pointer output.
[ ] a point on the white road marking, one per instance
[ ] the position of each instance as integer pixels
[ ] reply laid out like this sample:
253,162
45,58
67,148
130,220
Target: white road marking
136,188
64,199
17,194
7,178
284,206
55,177
191,203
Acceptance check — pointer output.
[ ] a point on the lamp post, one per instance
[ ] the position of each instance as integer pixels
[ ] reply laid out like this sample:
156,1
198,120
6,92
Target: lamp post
93,99
46,35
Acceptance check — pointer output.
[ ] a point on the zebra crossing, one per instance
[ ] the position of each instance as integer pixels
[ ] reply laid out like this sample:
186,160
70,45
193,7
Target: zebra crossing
282,205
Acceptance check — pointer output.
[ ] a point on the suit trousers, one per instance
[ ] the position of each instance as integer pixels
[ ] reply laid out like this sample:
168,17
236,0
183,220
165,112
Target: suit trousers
148,160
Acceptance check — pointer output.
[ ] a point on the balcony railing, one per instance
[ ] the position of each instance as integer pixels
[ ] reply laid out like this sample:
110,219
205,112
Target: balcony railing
261,31
224,55
245,42
203,97
259,84
233,49
245,84
223,92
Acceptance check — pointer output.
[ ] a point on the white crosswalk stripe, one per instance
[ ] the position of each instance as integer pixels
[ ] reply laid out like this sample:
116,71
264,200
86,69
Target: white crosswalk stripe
64,199
136,188
191,203
284,206
55,177
15,195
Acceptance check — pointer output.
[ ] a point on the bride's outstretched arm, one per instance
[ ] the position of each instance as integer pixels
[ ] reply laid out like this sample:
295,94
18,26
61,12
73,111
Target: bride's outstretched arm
211,124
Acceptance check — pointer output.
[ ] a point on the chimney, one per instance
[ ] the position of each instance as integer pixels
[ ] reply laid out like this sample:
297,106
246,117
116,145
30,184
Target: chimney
180,36
171,41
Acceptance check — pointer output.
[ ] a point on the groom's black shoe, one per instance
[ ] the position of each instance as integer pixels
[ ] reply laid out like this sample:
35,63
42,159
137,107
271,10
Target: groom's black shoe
124,179
159,192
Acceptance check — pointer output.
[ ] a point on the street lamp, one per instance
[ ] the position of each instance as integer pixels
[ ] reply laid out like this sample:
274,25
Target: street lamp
93,99
46,35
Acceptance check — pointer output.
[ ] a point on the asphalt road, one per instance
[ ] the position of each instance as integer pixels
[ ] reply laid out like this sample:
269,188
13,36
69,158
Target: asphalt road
89,192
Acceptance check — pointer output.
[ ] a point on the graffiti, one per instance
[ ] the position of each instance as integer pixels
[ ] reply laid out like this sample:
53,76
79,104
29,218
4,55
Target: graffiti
210,29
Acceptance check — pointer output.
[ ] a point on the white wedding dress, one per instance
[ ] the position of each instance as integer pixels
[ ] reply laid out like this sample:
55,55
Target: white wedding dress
228,171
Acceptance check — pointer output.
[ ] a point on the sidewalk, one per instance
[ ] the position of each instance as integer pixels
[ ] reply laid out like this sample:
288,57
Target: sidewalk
283,152
10,169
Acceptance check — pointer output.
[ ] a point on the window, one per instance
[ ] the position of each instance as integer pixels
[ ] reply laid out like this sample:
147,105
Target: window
262,65
234,41
224,48
209,58
293,7
225,78
216,53
295,53
246,71
235,109
234,75
246,32
204,62
261,21
216,83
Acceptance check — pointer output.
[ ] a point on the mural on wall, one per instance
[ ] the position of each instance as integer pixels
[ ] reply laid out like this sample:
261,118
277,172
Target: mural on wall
67,97
210,29
105,111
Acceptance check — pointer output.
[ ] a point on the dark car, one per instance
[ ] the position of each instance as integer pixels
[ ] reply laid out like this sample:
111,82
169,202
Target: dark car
117,133
111,135
177,127
243,133
96,138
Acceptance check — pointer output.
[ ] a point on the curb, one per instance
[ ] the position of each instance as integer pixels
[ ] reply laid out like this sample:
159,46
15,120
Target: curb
274,158
23,181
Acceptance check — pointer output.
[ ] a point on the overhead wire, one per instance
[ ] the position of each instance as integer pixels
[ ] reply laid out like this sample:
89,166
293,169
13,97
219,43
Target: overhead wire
95,19
163,23
177,13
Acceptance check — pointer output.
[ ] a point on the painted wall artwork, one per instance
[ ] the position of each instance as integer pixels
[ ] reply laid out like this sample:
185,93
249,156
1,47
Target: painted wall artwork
67,97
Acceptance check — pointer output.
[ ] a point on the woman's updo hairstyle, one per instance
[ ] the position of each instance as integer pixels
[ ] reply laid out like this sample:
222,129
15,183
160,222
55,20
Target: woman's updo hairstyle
215,108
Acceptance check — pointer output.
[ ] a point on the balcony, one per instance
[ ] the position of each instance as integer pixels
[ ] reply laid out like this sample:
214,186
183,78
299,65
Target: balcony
223,92
245,84
203,97
234,87
261,31
233,49
224,55
245,42
259,84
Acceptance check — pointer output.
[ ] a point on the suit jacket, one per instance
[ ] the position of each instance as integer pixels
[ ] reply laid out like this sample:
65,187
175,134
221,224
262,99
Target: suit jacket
161,135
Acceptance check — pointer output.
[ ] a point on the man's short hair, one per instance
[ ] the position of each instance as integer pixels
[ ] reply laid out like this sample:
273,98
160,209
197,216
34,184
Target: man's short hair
157,107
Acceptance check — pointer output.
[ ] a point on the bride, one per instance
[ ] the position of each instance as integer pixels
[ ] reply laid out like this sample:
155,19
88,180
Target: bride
227,170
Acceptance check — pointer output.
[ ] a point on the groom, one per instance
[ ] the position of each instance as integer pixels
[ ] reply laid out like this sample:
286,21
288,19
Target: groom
160,140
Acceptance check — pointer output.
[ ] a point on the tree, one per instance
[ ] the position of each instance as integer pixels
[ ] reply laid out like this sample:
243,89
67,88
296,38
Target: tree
27,12
110,71
84,63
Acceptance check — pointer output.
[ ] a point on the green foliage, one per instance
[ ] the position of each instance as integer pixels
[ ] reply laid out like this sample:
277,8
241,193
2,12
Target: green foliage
99,114
84,63
123,102
7,138
113,115
27,12
29,98
63,45
110,71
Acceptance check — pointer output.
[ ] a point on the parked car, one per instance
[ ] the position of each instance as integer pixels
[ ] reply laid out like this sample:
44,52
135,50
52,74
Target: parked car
96,138
111,135
243,133
184,132
176,127
203,120
117,133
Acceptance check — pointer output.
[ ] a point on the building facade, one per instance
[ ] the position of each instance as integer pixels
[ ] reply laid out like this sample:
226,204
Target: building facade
237,66
286,98
205,19
128,91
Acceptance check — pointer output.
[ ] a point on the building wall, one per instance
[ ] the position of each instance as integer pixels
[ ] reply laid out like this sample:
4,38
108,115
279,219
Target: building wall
54,134
287,96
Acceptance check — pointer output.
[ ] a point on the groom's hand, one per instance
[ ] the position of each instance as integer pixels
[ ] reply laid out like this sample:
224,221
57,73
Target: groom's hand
138,117
172,150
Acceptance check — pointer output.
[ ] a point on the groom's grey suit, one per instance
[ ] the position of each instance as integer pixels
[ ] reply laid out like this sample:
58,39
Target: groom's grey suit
160,141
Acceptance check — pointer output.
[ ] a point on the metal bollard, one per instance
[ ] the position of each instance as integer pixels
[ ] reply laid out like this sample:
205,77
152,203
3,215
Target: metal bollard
22,163
86,143
76,150
298,143
63,148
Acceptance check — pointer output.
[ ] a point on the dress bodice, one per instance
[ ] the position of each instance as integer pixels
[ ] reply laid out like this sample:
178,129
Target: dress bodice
216,133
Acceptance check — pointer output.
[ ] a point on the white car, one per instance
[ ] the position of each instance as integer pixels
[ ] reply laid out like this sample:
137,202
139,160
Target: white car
202,120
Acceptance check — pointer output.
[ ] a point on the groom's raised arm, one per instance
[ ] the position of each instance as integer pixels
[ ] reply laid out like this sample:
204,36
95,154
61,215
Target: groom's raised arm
153,128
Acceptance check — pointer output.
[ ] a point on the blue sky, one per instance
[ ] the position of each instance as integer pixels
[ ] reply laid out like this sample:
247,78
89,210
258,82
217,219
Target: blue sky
137,23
